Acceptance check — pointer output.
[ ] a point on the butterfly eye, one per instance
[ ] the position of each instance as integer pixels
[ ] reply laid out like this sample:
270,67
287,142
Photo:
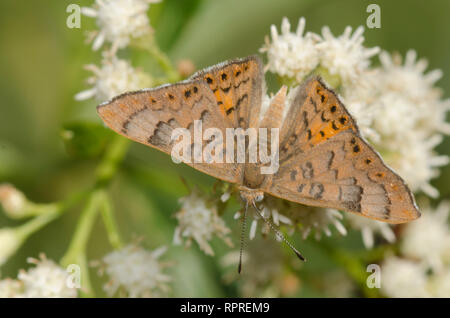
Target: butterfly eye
259,197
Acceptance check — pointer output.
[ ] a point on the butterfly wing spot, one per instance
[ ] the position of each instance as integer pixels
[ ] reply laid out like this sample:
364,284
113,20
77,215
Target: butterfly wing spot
350,193
293,174
301,187
161,135
316,190
307,170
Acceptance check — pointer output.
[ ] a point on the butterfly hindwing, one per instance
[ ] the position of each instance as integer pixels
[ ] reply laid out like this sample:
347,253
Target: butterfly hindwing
315,115
324,162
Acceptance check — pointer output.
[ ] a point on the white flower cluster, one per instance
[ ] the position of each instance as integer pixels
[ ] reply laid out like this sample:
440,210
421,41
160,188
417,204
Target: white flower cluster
46,279
119,21
136,271
114,77
423,270
308,220
200,222
409,116
296,55
397,107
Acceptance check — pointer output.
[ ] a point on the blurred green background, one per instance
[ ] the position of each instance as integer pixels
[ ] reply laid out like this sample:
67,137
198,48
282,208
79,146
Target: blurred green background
41,70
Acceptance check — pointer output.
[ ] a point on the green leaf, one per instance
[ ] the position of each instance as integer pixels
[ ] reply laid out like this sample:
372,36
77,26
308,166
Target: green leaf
84,139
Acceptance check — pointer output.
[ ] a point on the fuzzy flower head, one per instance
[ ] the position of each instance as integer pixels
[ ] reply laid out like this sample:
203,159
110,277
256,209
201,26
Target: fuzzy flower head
200,222
115,76
295,55
345,56
369,228
316,221
403,278
428,238
295,217
46,279
137,272
119,21
270,211
11,288
410,118
290,54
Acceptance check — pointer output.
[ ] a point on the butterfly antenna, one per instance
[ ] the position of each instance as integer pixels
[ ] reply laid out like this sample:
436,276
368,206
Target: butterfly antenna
244,222
279,234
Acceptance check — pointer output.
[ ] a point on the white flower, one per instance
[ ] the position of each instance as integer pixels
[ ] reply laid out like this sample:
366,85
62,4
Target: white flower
270,211
345,56
12,200
369,228
200,222
403,278
295,55
428,238
410,118
119,20
315,220
440,284
10,241
46,279
359,101
115,76
138,271
294,217
11,288
291,54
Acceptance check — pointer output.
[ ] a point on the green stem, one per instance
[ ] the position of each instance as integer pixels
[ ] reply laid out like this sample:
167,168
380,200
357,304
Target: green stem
52,211
110,223
109,165
148,43
76,254
37,223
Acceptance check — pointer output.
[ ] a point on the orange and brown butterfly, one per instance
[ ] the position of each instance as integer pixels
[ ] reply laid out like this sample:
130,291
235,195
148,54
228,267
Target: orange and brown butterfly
323,159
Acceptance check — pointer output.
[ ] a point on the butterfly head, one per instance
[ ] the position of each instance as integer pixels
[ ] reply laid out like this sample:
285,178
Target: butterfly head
251,196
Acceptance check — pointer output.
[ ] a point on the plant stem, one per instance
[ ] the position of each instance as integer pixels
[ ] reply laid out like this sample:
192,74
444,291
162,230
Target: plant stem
115,153
77,249
110,223
148,43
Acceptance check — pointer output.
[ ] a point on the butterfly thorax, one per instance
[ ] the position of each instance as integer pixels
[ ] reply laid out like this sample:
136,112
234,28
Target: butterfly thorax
253,178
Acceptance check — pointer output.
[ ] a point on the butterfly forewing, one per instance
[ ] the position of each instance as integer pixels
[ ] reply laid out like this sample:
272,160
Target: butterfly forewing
150,116
237,87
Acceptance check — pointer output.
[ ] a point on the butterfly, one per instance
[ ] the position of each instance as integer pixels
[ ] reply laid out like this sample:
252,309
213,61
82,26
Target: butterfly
323,159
